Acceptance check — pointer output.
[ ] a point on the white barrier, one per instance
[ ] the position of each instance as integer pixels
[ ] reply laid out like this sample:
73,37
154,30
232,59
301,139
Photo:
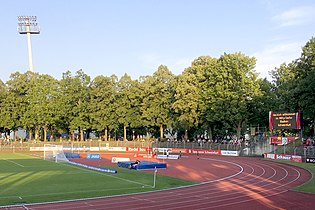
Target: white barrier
173,157
119,159
229,153
94,149
117,149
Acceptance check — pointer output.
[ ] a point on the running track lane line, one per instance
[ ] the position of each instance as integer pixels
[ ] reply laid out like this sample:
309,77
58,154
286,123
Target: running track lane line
173,206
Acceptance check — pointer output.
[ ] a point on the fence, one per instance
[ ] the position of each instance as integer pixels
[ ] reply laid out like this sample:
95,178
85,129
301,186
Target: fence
25,146
256,148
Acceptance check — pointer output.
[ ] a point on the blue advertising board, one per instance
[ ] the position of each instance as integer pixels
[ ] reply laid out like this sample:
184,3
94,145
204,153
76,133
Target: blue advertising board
93,156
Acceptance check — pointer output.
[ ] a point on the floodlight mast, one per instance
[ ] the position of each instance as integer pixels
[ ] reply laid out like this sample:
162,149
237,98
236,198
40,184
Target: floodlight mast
28,25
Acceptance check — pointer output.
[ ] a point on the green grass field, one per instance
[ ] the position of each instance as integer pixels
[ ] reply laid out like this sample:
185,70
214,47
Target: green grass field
310,185
28,179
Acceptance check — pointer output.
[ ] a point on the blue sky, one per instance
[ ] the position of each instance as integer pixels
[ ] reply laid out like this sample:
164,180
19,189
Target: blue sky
105,37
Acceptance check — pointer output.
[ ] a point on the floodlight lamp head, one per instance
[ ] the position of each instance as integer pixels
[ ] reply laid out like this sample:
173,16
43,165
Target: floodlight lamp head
28,24
27,18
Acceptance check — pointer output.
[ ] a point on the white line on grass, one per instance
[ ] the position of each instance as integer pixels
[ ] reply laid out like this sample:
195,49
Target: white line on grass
165,190
73,200
11,161
67,193
61,173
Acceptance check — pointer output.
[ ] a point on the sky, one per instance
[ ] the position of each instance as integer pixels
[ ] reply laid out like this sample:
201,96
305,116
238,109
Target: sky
106,37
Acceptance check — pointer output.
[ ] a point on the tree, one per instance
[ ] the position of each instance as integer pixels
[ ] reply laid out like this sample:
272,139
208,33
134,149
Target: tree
157,96
15,104
127,108
102,105
259,107
3,92
42,105
74,99
304,87
233,85
205,67
187,99
283,81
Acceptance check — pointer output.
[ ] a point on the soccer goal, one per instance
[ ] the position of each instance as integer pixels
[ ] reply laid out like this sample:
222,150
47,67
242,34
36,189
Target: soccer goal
55,153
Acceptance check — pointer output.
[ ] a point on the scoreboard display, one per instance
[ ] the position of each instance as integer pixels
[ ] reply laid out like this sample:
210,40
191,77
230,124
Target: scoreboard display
284,120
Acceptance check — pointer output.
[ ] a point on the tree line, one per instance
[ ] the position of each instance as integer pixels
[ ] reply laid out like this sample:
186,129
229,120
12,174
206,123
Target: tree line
212,96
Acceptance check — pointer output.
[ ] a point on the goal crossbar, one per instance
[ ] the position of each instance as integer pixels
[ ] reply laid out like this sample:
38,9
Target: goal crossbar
54,152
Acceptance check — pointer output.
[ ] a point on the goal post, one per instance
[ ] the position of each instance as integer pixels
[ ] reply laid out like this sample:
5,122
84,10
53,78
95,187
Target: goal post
54,152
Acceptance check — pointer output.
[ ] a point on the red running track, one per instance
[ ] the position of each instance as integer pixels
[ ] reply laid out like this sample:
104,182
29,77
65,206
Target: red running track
227,183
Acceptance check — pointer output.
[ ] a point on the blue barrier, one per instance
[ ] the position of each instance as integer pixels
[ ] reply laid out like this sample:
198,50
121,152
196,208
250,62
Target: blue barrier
94,168
71,155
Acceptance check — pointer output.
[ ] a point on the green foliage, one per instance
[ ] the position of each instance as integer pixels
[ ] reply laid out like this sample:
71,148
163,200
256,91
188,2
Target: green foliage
284,83
74,97
212,94
3,97
259,106
15,103
295,85
187,98
308,187
230,86
305,83
156,98
128,102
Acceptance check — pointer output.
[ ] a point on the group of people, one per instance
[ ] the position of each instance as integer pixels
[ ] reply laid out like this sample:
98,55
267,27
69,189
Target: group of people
309,142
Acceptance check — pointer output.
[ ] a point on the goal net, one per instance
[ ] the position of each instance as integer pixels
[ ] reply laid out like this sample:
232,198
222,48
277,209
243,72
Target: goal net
54,152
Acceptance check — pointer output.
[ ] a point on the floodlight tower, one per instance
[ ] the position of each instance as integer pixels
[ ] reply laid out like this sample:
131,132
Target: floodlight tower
28,25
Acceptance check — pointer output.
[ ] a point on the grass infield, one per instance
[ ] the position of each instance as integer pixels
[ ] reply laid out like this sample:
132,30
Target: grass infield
28,179
309,186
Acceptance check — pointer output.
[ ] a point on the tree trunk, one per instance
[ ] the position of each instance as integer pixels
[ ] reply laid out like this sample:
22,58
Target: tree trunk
238,129
105,134
88,131
7,135
36,133
186,135
161,131
72,134
210,134
15,135
45,133
30,135
147,134
81,134
125,133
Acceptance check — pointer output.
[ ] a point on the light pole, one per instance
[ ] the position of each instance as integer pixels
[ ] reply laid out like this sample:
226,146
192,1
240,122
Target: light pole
28,25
